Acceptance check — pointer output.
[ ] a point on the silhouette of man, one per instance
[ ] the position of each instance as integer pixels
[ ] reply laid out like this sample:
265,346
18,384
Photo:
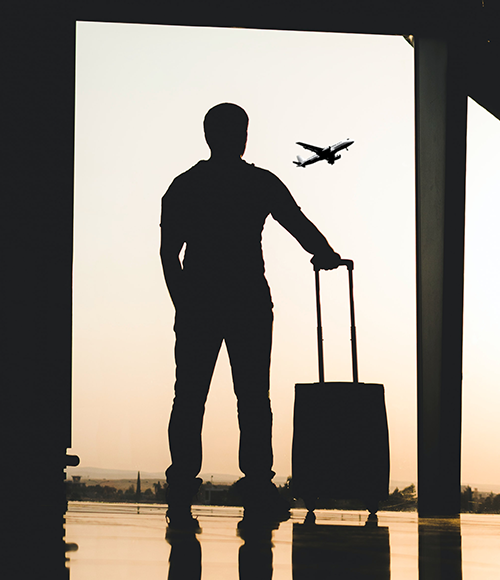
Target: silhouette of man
220,293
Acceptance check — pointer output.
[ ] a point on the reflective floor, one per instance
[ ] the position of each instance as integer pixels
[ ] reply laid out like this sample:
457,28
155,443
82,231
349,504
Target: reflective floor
127,541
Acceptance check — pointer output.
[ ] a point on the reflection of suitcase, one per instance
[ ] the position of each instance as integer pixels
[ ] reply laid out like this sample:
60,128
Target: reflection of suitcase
352,552
340,436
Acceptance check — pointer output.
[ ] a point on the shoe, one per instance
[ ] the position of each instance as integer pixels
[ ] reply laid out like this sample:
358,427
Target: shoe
262,501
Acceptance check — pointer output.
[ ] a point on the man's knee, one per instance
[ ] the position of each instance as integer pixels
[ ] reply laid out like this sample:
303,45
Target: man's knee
188,404
254,407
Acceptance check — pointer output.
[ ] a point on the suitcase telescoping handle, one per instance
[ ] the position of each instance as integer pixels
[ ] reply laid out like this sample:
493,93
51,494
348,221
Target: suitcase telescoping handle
321,365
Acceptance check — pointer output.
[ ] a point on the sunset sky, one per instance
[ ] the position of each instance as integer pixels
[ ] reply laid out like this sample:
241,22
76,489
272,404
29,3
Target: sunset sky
141,95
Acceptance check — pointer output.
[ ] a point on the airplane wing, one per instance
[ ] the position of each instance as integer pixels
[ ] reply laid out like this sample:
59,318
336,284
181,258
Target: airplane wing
313,148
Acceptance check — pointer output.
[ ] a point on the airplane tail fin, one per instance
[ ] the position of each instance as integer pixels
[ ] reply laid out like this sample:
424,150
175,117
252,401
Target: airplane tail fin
299,162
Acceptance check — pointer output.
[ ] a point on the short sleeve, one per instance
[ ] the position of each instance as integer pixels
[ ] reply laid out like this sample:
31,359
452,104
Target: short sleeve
172,213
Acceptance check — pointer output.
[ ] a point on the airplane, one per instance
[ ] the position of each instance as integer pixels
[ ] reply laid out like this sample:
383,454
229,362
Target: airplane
330,153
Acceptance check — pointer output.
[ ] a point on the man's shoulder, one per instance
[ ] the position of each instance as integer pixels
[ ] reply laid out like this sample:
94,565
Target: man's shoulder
183,179
255,168
260,173
192,172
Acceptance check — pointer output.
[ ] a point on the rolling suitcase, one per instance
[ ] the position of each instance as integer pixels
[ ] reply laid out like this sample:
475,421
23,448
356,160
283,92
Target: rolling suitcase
340,444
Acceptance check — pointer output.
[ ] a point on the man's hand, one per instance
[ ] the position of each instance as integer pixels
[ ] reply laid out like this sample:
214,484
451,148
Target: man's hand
328,260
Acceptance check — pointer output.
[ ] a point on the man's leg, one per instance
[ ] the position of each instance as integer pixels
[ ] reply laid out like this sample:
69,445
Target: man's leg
248,341
196,350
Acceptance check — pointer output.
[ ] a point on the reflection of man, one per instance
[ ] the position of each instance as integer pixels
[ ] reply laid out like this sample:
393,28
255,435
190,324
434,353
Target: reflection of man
218,209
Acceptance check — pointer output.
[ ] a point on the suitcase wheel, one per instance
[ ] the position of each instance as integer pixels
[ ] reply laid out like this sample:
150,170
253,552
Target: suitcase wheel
371,505
310,501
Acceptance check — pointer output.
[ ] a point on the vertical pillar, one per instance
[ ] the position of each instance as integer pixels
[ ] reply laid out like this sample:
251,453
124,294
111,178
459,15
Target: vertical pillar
441,124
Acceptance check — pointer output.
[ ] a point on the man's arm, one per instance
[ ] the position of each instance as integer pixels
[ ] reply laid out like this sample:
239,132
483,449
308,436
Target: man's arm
311,239
170,249
290,216
172,242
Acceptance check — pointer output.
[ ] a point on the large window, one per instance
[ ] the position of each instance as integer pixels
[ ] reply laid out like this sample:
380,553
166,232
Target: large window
141,95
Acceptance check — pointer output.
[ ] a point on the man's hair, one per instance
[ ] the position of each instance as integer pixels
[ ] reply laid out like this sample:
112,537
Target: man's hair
225,126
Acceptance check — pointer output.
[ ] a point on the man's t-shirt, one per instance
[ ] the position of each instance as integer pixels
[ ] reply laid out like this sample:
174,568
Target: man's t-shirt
219,211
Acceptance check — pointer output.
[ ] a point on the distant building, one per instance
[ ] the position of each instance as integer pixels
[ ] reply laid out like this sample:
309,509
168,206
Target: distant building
212,494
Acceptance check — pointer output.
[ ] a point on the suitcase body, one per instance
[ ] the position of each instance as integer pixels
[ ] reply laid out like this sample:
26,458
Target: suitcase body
340,444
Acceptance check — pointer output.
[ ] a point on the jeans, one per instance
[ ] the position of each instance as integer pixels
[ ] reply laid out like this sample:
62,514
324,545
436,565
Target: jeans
199,336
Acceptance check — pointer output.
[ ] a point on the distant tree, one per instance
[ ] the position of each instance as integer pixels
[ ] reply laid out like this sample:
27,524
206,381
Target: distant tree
489,505
129,494
138,488
466,503
401,500
233,497
160,491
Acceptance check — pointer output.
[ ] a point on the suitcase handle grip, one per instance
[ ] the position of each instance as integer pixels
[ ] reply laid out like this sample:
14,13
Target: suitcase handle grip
348,263
354,351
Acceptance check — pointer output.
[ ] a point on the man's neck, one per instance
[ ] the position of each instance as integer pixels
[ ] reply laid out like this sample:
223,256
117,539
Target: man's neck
226,159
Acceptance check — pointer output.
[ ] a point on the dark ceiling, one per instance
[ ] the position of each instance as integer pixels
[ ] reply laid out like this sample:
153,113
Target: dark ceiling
472,23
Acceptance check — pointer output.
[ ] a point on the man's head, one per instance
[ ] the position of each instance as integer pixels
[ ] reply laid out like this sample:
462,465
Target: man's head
226,127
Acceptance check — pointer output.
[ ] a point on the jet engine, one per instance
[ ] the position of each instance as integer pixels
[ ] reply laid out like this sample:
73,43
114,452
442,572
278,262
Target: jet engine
331,160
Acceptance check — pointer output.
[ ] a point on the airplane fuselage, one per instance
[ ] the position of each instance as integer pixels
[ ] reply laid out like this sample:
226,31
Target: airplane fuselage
329,154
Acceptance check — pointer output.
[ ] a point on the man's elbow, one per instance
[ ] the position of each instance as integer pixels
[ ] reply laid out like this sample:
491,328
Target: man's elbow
170,260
